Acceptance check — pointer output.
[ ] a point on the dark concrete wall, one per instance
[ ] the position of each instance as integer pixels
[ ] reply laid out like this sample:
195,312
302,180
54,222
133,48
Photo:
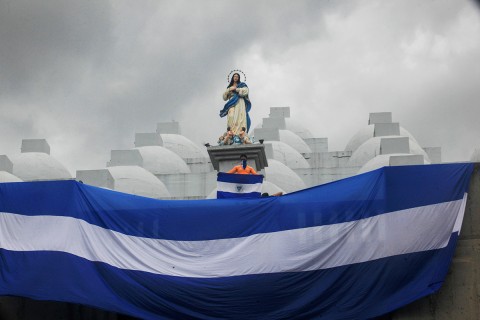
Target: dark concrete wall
459,297
16,308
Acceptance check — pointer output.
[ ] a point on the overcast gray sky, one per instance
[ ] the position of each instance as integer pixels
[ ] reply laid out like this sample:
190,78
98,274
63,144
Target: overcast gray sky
87,75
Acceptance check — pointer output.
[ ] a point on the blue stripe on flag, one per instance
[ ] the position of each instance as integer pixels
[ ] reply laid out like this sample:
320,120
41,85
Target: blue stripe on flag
240,178
366,195
358,291
229,195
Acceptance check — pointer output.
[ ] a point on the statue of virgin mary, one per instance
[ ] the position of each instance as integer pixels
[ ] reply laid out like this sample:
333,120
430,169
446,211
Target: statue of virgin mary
238,104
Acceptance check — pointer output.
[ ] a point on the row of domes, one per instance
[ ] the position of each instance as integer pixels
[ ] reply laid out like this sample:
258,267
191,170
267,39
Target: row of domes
156,160
155,155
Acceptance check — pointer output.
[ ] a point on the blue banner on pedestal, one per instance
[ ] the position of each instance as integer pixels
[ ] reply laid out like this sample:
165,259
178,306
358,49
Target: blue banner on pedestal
238,185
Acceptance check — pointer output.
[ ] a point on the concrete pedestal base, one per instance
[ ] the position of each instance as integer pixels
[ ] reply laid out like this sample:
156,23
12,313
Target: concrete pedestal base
225,158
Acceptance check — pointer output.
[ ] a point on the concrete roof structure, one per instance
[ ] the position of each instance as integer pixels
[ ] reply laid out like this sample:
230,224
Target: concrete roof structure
294,141
286,154
137,180
160,160
8,177
297,128
377,145
385,160
183,146
36,166
368,132
167,165
475,155
283,177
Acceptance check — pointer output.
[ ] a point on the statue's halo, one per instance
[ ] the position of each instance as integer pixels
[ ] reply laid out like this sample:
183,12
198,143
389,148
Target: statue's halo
236,71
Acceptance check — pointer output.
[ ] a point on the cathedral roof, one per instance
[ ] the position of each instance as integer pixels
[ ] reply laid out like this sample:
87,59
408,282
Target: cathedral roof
366,133
294,141
34,166
183,146
371,148
287,155
283,177
137,180
8,177
382,160
298,128
160,160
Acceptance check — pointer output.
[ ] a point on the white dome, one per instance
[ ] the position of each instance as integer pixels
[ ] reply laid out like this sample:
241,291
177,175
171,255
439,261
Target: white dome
33,166
298,129
8,177
160,160
475,155
382,160
294,141
282,176
271,188
267,187
359,138
182,146
137,180
366,133
371,148
288,155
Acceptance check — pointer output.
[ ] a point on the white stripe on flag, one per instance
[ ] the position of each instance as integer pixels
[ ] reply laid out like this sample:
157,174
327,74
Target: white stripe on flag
238,187
406,231
459,221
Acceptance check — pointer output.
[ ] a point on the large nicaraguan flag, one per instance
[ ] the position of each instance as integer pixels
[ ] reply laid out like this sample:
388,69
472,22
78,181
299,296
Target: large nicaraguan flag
352,249
239,185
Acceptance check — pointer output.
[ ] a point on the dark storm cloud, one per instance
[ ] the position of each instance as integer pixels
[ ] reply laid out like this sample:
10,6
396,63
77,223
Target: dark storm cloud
96,71
87,75
45,43
47,49
184,49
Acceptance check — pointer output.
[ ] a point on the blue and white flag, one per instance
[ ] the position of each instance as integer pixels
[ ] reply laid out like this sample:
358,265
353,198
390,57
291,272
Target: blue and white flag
352,249
239,185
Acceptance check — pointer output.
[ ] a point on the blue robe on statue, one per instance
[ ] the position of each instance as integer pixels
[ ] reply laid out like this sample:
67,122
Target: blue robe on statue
234,100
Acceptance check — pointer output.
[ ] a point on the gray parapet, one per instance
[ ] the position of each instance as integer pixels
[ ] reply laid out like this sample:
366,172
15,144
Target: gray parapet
125,158
434,153
5,164
380,117
406,160
168,127
279,112
267,134
268,150
276,123
333,160
459,297
35,145
189,186
98,178
317,145
386,129
394,145
148,139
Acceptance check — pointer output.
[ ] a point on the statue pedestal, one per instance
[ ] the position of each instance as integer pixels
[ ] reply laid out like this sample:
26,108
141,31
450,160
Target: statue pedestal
225,158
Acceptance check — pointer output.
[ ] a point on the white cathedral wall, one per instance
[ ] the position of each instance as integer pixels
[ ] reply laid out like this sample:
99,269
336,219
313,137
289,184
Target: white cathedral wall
316,176
8,177
189,185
